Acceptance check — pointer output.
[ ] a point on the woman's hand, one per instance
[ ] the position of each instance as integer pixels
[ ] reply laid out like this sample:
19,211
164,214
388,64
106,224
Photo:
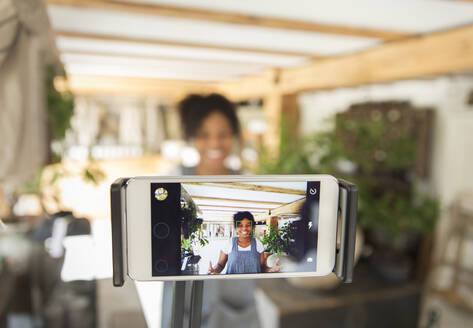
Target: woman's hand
222,261
276,267
212,270
264,266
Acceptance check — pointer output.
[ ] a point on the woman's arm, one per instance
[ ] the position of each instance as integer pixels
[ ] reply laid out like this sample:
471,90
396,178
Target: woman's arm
264,267
222,261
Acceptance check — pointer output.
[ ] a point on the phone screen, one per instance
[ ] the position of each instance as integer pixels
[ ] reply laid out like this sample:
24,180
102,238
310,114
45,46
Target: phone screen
202,228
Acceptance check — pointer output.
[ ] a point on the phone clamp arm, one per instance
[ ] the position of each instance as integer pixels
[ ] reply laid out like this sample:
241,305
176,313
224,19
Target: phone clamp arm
346,231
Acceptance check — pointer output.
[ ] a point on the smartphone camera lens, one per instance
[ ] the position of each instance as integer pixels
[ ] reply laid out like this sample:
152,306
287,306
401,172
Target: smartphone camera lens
161,230
161,266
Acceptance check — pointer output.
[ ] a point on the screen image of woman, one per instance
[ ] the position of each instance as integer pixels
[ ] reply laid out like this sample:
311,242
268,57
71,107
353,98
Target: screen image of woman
243,253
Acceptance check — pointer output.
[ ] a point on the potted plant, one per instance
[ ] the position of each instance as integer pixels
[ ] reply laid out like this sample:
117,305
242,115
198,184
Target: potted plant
278,243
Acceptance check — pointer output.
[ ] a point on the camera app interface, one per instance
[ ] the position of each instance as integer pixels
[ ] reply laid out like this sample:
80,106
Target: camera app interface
211,228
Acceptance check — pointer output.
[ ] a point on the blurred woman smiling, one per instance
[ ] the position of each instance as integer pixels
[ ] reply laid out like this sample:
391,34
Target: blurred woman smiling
210,124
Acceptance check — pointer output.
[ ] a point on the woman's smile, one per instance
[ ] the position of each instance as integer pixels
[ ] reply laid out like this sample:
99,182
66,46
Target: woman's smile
215,154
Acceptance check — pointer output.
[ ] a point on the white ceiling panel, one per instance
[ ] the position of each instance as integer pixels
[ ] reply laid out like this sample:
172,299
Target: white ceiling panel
198,32
226,213
140,72
166,64
67,44
410,16
231,211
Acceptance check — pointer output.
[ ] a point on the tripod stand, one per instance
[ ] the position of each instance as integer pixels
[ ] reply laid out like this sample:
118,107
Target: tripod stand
195,315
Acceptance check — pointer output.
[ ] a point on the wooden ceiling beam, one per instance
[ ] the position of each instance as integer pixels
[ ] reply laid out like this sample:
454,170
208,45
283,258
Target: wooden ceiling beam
248,187
228,18
107,37
434,54
288,209
248,87
99,85
291,208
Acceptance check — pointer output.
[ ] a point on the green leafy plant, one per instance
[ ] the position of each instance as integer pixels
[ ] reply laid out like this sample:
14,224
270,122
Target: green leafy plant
186,245
279,240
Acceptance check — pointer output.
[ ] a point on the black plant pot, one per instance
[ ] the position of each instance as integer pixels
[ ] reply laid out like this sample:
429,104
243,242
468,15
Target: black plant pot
192,266
392,267
394,259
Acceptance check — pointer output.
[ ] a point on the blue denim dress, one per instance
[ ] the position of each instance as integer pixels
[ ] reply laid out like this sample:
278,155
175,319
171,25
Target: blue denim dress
243,261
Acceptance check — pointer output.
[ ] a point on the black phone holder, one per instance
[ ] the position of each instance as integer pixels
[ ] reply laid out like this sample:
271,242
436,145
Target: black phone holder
346,231
118,213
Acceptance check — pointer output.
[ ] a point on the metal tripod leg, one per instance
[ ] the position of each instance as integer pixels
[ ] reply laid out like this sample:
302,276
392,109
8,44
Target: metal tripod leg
178,304
196,304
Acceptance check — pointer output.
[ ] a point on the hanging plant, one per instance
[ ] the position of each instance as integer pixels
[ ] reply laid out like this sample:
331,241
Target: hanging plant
191,228
60,105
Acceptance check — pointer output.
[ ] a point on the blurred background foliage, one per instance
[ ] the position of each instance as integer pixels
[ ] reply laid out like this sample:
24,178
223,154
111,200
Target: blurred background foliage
60,104
60,110
378,153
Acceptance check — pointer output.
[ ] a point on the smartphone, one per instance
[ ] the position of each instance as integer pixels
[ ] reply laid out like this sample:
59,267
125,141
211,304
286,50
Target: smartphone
226,227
